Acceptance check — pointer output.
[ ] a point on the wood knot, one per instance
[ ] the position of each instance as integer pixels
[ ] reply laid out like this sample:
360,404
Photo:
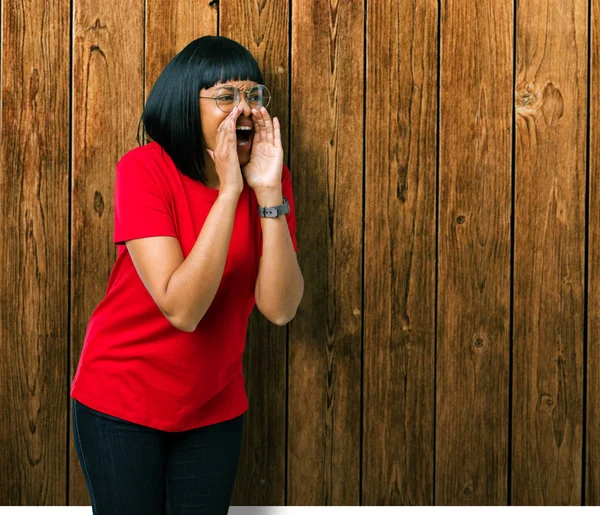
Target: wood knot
549,102
527,98
553,104
98,203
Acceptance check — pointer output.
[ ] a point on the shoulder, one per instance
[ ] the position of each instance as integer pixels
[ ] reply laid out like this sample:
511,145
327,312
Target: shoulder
147,164
141,171
140,155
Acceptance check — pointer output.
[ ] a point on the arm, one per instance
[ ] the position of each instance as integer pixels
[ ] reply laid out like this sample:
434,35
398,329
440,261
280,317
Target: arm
279,285
184,289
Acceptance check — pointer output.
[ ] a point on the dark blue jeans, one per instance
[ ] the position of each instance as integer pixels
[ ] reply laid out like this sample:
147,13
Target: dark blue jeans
133,469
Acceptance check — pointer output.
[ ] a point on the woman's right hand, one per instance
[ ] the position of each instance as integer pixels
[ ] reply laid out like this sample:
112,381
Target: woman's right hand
225,156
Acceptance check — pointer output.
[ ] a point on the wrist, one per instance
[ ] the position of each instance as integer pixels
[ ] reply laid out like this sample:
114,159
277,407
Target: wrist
230,192
269,197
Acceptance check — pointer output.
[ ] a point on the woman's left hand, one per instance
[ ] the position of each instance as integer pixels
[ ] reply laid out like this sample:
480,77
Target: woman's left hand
264,169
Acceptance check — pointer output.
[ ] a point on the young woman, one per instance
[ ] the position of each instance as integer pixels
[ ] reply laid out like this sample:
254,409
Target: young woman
158,398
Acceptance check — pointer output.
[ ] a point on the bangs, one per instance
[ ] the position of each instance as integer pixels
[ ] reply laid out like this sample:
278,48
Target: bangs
224,62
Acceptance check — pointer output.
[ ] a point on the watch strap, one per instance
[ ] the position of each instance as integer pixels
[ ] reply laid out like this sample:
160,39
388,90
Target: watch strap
275,211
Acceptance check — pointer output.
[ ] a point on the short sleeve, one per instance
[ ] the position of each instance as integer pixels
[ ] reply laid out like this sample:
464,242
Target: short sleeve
286,191
141,208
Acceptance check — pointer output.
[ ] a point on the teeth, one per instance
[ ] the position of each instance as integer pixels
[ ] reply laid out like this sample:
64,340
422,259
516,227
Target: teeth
243,128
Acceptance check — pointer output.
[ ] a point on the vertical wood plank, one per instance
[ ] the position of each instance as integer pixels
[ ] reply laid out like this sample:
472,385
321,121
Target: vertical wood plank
170,26
34,214
592,407
114,68
549,252
261,472
324,411
400,253
107,104
474,247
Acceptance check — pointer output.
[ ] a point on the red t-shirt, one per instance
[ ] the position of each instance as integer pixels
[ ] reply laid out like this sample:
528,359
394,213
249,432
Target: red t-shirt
134,363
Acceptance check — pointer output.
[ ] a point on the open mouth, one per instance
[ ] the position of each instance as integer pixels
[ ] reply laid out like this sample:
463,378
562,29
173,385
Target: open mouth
244,138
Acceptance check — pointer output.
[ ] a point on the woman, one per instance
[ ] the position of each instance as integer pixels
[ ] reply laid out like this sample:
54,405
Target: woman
158,395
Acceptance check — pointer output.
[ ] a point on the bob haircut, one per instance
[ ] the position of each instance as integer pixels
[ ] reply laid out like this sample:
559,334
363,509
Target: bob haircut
171,116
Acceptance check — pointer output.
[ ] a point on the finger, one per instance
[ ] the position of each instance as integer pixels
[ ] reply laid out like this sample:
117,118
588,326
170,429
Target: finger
231,116
256,127
276,132
268,124
234,114
256,138
232,121
226,131
261,124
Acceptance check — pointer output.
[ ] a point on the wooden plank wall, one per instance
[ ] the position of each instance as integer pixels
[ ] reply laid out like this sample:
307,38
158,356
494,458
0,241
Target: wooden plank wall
442,156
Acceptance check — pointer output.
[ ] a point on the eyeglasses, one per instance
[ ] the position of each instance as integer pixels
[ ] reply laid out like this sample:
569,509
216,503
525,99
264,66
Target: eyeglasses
229,96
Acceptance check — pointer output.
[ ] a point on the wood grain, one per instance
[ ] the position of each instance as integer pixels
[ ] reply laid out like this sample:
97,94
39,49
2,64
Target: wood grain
107,103
474,253
170,26
399,269
592,364
262,27
438,153
550,234
324,412
34,216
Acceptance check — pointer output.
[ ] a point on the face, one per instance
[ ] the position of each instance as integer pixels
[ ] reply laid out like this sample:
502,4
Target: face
211,116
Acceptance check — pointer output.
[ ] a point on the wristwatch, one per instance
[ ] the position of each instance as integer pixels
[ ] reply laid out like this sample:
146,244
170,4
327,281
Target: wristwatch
274,212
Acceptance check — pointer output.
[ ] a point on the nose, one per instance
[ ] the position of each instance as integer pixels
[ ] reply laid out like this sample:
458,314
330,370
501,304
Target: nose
245,107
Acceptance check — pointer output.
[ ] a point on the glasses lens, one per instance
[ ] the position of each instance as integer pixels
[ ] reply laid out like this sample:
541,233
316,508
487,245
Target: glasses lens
259,96
227,98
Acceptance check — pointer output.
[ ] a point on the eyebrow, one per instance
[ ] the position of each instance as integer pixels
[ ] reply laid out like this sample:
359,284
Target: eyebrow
232,86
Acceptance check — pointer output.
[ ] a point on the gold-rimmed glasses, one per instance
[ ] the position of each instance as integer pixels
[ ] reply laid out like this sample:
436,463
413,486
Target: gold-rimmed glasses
227,97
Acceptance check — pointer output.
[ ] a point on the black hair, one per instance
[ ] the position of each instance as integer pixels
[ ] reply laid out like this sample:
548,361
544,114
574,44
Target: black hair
171,116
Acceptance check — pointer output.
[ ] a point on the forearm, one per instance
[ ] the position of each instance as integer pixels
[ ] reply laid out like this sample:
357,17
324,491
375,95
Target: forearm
194,284
279,285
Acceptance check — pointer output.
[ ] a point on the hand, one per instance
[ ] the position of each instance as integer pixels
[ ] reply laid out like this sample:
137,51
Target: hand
265,167
225,156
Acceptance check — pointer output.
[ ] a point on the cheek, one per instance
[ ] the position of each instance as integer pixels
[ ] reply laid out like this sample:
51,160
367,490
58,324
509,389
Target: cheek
210,122
209,137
